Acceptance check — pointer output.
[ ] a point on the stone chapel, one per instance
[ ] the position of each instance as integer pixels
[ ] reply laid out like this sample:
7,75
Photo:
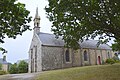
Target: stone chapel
48,53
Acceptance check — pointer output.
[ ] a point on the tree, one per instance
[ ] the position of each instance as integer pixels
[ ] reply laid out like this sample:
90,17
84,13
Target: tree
13,69
23,67
13,19
116,58
78,20
116,46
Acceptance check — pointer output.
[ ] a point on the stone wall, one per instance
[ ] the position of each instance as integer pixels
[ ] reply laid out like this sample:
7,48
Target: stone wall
52,57
5,67
104,54
92,53
76,58
35,66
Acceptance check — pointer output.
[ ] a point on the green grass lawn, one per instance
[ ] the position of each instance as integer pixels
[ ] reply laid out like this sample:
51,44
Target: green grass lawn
101,72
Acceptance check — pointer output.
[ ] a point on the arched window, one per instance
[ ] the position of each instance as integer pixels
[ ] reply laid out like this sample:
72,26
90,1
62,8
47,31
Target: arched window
108,55
31,54
31,60
67,56
85,56
35,58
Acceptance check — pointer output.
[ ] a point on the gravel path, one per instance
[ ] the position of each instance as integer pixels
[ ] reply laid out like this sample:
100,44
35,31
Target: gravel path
25,76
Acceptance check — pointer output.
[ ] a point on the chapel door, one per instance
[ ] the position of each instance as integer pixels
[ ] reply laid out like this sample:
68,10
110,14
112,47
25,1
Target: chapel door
99,60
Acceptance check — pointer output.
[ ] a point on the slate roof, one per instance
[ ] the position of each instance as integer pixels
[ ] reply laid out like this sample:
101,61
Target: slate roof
93,44
50,40
3,62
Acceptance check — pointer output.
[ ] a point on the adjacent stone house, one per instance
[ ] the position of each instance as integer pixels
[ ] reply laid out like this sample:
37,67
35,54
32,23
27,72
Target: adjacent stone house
47,53
4,63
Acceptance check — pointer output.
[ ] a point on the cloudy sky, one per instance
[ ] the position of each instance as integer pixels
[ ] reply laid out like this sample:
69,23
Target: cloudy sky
18,48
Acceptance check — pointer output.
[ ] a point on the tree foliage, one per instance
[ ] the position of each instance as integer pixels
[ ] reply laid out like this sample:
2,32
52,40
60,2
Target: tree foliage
116,46
2,72
22,67
13,69
110,61
78,20
13,19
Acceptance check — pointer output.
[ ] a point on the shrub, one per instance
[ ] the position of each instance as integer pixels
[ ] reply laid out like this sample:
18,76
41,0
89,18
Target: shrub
110,61
117,61
13,69
2,72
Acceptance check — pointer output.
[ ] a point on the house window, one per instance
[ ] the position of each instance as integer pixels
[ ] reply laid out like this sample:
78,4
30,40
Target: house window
67,56
85,56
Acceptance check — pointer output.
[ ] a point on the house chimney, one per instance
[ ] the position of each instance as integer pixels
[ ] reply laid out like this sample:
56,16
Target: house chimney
4,57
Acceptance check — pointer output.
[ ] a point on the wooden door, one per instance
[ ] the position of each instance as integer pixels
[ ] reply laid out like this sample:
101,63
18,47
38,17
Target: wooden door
99,60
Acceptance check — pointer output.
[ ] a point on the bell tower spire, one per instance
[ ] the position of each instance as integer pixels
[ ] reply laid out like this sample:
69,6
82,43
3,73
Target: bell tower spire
36,22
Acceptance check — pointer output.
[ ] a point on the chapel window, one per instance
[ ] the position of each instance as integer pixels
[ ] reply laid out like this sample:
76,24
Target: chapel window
31,53
35,58
67,56
108,55
35,52
31,60
85,56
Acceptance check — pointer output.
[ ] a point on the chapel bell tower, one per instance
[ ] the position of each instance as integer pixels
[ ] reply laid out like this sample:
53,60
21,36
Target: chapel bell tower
36,22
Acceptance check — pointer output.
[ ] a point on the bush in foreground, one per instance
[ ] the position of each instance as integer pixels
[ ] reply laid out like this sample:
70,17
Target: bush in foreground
2,72
110,61
13,69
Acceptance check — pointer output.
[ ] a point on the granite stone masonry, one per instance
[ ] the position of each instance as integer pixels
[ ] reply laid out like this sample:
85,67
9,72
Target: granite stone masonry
48,53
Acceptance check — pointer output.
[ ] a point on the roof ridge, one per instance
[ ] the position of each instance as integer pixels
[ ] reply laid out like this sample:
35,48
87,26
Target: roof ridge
45,33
